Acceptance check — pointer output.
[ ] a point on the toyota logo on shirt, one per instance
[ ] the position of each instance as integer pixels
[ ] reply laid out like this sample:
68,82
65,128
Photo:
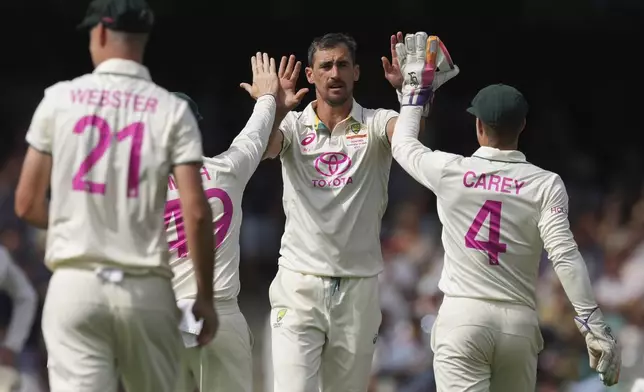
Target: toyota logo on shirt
331,164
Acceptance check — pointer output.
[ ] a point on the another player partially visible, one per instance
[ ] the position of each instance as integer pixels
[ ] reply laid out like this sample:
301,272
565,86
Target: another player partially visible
498,213
106,142
226,364
14,282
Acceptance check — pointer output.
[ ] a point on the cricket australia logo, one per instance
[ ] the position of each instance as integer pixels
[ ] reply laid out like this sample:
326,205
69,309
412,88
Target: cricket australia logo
279,315
413,79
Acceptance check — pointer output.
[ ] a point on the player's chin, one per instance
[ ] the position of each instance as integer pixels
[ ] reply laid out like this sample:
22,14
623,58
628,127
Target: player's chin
337,97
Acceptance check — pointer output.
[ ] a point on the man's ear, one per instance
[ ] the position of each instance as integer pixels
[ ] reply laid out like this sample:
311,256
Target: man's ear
309,74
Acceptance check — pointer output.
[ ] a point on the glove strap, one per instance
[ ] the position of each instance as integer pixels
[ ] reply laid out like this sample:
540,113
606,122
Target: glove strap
426,107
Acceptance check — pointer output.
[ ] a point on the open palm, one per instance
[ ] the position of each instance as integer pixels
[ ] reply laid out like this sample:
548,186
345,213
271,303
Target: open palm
287,97
392,68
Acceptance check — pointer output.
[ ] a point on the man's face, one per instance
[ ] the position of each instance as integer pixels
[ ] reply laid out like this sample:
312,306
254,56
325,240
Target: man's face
333,73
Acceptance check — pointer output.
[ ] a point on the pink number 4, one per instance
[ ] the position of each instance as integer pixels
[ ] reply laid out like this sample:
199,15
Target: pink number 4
493,245
134,130
221,226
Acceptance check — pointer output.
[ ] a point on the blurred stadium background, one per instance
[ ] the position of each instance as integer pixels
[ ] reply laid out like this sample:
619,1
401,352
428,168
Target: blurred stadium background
576,61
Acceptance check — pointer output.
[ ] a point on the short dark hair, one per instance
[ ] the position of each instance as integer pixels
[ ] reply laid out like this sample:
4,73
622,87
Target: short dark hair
330,41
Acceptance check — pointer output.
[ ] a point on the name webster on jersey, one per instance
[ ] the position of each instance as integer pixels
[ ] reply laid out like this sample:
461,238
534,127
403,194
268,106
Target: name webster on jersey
114,98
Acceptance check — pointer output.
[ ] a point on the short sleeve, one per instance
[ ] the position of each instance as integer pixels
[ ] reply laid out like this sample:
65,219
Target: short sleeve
41,130
380,121
185,140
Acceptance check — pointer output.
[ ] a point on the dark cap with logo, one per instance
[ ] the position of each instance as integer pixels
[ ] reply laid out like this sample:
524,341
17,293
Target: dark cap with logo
193,105
500,106
128,16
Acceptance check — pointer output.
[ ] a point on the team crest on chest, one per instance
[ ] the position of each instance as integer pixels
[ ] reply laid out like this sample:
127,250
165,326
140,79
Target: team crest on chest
356,135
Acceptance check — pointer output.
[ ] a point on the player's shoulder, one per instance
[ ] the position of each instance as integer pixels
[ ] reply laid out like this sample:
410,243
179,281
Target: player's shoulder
55,91
219,172
220,164
168,99
366,115
216,162
544,176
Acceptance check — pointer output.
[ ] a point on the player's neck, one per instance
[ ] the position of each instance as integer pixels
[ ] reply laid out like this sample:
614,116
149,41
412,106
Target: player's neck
132,55
332,115
503,146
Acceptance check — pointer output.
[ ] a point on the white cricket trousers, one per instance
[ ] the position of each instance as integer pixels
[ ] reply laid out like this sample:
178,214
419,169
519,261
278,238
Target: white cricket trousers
324,332
482,346
226,364
98,329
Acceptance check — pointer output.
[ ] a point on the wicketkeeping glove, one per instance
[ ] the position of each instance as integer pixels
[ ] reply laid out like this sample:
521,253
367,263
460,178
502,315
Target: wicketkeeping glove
426,65
604,353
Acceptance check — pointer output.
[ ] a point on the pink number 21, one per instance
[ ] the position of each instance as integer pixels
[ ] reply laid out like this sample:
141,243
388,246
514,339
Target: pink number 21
134,130
493,245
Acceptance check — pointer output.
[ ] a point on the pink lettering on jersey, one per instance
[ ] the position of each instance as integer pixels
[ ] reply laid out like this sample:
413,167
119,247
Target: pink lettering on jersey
559,210
204,175
204,172
116,99
492,182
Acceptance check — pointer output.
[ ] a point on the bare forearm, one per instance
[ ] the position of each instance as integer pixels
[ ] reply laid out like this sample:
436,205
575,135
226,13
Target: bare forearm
37,215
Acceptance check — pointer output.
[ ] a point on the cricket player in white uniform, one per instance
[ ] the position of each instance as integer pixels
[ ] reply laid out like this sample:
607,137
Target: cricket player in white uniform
498,213
14,282
225,365
106,142
336,158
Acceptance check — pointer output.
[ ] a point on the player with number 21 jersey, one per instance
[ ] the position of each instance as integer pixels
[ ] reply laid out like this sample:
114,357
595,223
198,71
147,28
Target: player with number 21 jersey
104,143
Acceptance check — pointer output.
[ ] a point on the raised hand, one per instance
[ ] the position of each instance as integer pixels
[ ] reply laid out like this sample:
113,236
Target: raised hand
392,68
265,80
425,64
289,71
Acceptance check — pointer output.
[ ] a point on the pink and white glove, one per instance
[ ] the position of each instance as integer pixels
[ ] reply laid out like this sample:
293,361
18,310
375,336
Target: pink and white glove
426,65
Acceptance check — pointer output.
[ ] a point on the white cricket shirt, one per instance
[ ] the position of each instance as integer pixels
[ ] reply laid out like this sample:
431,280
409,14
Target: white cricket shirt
498,213
25,302
335,192
224,179
114,136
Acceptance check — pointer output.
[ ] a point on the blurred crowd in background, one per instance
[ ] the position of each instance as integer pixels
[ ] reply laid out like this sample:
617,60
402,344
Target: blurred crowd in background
609,229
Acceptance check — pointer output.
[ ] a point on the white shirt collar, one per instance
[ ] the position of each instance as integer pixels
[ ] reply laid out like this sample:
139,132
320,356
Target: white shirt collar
123,67
494,154
310,118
